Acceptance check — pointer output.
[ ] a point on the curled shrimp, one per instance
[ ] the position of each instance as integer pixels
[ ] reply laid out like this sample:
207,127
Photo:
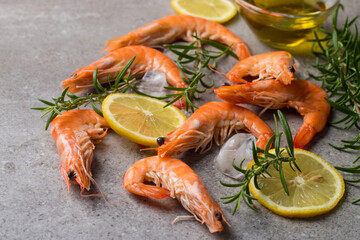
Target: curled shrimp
173,178
306,97
213,121
180,27
75,133
274,65
109,67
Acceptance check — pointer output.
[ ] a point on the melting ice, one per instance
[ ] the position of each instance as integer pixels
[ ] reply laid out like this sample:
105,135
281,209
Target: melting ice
237,147
153,83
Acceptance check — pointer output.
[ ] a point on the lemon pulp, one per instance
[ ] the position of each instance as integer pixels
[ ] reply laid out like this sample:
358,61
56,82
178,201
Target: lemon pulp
315,190
141,119
215,10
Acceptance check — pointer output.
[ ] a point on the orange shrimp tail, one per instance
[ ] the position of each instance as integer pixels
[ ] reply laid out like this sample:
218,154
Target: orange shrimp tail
304,136
117,43
263,140
241,50
180,104
148,190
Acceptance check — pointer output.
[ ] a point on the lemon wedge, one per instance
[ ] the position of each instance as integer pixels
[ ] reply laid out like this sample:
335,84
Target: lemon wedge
315,190
140,119
215,10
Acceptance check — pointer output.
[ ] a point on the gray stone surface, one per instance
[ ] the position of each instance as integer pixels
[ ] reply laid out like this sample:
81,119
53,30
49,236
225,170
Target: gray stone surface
41,43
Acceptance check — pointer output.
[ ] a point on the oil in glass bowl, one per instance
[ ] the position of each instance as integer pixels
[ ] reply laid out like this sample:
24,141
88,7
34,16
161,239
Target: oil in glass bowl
284,23
294,7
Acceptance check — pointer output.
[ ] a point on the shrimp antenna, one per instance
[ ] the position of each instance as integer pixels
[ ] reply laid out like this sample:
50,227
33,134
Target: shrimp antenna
182,218
265,109
97,195
213,68
148,149
96,184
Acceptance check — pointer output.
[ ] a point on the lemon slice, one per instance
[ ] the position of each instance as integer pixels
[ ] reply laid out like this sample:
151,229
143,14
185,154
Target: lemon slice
215,10
315,190
141,119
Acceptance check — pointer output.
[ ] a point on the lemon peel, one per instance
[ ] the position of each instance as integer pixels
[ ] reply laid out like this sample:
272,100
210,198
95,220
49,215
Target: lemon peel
316,190
219,11
139,118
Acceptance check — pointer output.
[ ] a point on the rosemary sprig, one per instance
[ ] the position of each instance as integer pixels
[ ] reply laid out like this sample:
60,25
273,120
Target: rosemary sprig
200,59
338,64
192,53
340,72
261,164
121,84
353,170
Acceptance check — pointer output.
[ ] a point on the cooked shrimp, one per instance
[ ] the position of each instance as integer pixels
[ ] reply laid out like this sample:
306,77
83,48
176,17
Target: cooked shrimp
213,121
306,97
75,133
274,65
109,67
173,178
180,27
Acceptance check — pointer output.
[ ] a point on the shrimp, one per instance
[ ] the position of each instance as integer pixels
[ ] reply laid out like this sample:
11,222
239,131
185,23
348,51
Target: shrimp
213,120
109,67
306,97
180,27
75,133
173,178
274,65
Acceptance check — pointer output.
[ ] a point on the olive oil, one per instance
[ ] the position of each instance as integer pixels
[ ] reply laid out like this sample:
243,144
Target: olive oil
294,7
274,27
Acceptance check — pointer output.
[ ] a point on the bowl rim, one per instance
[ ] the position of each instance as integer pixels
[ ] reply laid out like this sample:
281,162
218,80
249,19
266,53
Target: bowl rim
263,11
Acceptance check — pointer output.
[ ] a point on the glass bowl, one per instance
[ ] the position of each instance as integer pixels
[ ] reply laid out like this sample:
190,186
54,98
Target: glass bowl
282,30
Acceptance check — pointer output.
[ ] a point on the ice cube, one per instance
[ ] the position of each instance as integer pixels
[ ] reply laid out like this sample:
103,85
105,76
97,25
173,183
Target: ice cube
153,83
237,147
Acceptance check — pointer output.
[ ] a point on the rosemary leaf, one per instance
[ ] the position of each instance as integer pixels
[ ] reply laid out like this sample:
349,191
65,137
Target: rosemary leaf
52,116
123,71
339,72
259,168
46,102
97,110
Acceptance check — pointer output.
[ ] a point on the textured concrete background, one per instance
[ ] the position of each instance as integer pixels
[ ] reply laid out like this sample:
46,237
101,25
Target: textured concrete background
41,43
